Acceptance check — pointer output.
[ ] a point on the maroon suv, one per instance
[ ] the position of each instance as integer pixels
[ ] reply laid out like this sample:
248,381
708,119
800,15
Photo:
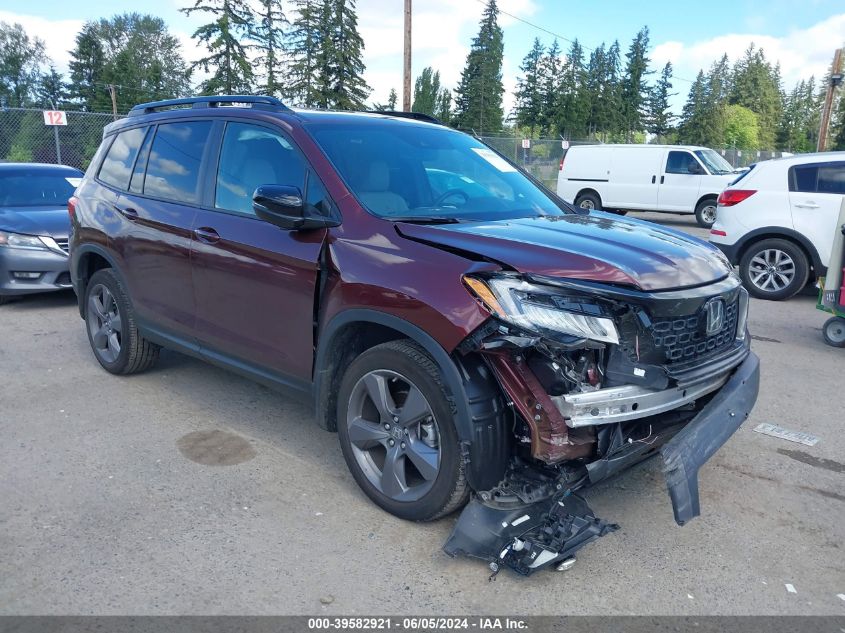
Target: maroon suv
469,335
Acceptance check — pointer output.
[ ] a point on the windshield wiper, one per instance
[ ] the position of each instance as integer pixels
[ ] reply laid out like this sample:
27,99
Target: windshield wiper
422,219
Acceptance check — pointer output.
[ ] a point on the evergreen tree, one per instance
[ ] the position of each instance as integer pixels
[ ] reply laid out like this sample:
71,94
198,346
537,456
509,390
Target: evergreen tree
756,86
574,95
659,117
269,37
426,91
478,98
551,70
392,99
342,65
304,41
21,58
87,69
692,128
837,138
529,89
634,91
52,90
443,108
232,22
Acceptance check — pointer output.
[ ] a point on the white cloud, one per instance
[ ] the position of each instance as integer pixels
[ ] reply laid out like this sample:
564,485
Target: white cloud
801,52
58,35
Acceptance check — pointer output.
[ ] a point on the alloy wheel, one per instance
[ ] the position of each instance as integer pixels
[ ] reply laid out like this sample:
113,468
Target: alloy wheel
394,435
104,323
771,270
708,214
587,204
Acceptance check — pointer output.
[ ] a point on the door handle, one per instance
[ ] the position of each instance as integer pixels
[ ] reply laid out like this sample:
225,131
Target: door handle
127,212
662,178
653,179
207,234
807,205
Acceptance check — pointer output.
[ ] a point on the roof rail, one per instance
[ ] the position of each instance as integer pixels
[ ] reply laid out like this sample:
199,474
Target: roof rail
260,101
416,116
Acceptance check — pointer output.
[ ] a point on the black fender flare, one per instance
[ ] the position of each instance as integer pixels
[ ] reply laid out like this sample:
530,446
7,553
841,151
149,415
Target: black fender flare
75,272
481,414
782,232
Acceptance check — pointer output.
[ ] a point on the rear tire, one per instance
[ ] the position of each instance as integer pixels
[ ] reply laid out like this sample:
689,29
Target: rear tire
589,201
834,331
406,457
112,331
774,269
705,213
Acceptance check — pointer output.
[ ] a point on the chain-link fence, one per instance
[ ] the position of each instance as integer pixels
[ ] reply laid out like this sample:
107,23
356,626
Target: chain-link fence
541,157
24,137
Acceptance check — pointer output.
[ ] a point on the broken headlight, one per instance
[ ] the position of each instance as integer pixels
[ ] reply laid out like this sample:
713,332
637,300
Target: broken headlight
536,308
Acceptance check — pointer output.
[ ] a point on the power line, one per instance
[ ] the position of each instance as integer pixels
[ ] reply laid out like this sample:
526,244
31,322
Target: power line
559,36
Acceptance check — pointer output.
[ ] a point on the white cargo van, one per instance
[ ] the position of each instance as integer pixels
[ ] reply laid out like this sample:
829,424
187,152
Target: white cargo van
621,178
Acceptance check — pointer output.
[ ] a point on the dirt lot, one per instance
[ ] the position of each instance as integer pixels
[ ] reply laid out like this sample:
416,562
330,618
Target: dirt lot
108,504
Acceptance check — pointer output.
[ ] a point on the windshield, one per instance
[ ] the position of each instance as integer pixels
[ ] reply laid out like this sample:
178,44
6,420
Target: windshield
714,162
33,189
414,172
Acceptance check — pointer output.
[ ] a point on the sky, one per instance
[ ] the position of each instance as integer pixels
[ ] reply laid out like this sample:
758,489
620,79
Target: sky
800,34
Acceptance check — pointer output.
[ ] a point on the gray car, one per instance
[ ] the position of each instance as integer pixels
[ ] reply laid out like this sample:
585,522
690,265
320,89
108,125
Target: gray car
34,227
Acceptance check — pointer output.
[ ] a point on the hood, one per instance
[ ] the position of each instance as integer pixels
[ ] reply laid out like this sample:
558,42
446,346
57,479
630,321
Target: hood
52,221
596,247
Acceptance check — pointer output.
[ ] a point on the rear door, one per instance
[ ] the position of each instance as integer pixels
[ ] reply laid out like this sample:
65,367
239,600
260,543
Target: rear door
679,183
158,211
815,196
254,282
633,178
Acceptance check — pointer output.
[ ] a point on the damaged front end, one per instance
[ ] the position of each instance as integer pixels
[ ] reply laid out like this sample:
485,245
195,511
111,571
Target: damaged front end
600,378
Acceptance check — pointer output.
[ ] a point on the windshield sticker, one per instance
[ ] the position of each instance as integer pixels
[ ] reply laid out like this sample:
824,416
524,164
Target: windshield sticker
74,182
494,159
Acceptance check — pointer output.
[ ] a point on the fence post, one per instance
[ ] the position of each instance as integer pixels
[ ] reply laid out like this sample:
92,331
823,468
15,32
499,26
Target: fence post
58,145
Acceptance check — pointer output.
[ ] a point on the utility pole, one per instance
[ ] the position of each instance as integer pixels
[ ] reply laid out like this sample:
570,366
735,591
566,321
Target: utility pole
835,80
113,94
406,77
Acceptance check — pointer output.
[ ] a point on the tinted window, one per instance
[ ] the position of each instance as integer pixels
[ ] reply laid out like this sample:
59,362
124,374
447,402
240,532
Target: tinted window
20,188
173,168
803,178
136,184
832,178
317,200
117,166
680,163
252,156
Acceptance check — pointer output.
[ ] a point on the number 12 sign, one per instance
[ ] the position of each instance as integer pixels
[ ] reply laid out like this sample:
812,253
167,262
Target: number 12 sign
54,117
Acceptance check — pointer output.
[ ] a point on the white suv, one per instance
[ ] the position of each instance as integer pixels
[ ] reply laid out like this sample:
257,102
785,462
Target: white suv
777,222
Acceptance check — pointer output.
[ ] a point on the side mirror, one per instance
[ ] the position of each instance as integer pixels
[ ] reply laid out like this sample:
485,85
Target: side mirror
283,206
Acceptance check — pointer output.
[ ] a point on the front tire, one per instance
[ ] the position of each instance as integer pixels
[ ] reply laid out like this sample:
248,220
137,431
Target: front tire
112,331
774,269
397,433
834,331
705,213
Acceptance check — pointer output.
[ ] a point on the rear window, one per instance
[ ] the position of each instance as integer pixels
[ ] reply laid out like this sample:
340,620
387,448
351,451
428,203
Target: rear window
818,178
33,189
173,167
117,165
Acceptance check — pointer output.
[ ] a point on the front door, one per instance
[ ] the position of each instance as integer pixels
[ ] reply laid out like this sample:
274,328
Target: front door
815,198
680,182
254,283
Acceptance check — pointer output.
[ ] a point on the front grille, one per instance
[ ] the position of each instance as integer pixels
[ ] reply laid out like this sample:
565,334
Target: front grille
683,339
63,244
679,340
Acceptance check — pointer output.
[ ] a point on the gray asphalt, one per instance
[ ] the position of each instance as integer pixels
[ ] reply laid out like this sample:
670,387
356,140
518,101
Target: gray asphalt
188,490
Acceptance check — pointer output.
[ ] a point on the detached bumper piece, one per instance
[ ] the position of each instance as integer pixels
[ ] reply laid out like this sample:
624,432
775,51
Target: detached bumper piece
685,453
528,537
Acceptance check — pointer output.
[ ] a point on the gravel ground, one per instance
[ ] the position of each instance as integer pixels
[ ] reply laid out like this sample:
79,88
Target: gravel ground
112,503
